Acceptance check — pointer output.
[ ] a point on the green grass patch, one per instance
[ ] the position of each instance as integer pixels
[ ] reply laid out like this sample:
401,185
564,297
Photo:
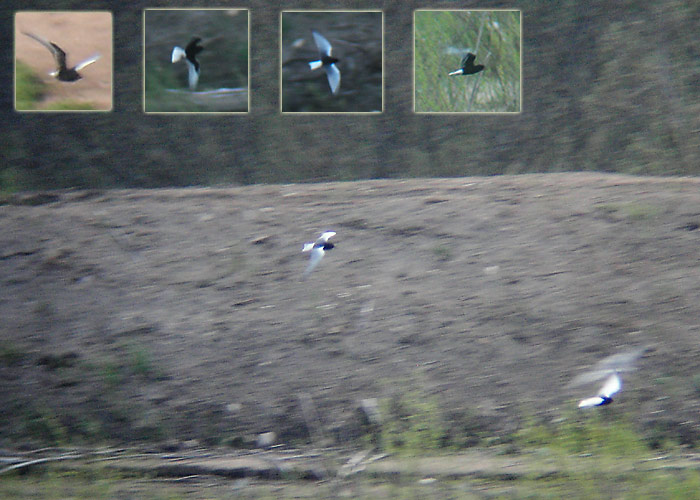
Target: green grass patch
641,211
29,89
69,105
412,424
586,433
43,425
443,253
632,211
111,375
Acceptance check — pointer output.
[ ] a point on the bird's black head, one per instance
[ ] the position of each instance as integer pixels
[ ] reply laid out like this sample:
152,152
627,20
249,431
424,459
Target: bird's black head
606,400
328,245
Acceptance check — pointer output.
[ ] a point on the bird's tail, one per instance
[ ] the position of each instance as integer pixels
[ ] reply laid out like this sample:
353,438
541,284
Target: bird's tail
315,64
307,247
458,72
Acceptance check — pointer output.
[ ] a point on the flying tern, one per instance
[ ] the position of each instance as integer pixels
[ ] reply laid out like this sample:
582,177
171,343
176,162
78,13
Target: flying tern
190,54
318,250
326,61
63,72
467,66
612,385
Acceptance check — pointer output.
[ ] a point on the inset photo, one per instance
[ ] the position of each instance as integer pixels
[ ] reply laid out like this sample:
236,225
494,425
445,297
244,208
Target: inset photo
63,61
196,60
331,61
467,61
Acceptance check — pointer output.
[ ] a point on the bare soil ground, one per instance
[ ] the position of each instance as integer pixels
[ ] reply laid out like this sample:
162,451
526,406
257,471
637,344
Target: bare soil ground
181,314
80,35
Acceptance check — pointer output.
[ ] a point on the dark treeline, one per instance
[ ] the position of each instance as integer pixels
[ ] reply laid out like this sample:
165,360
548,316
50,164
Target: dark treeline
605,86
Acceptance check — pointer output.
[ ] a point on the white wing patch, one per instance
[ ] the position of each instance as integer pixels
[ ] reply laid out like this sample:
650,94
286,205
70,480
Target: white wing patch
192,75
316,256
611,386
86,62
333,74
178,53
323,45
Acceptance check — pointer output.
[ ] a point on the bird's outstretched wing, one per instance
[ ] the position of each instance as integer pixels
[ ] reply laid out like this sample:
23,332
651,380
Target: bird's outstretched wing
57,52
625,361
87,62
611,386
316,256
323,45
468,60
325,236
193,47
178,53
333,74
192,76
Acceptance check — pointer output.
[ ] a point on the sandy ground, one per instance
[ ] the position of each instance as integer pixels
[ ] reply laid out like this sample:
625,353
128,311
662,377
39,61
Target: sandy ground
181,313
80,35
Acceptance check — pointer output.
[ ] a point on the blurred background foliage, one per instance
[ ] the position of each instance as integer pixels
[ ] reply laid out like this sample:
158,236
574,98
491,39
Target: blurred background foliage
224,60
442,38
605,87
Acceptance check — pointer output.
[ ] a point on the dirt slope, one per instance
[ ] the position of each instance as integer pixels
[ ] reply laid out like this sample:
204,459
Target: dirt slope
181,313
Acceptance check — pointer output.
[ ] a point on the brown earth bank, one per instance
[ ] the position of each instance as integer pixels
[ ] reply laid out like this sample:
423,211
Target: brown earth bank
180,314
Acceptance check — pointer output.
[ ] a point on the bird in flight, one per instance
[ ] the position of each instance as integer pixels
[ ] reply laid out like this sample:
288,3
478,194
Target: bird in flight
190,54
326,61
612,385
317,249
63,72
468,66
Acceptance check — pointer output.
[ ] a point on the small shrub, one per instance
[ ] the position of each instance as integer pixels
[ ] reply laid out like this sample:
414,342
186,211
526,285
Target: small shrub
412,424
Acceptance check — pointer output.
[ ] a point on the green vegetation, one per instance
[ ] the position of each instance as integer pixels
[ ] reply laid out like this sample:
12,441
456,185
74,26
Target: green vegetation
632,211
582,478
44,425
585,433
29,88
442,38
582,455
412,425
69,105
442,253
